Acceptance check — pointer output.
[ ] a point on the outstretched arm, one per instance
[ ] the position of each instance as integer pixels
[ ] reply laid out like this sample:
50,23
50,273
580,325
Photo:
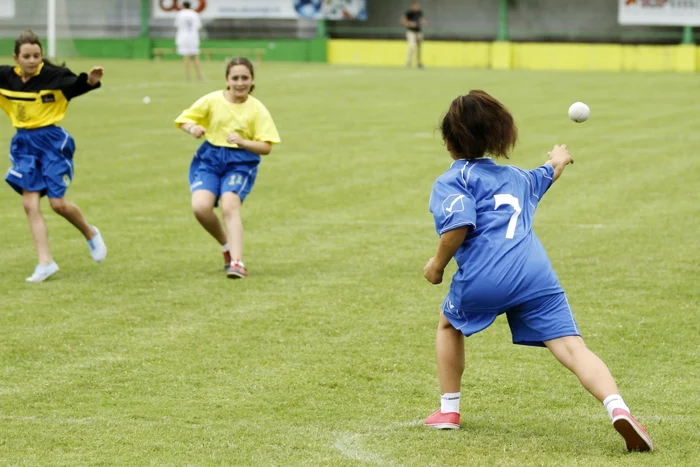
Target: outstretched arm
559,157
74,86
449,244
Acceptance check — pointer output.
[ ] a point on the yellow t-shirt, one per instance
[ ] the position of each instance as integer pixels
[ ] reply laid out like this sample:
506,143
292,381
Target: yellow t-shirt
251,119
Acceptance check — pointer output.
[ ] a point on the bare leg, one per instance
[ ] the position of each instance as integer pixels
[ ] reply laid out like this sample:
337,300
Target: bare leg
203,208
198,68
596,378
186,59
449,350
231,208
31,200
71,212
572,352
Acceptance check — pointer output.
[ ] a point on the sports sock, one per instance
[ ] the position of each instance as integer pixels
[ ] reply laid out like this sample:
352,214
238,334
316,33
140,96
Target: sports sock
449,402
613,402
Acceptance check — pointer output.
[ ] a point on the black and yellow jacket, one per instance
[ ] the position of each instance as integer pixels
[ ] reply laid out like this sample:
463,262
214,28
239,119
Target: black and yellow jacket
43,99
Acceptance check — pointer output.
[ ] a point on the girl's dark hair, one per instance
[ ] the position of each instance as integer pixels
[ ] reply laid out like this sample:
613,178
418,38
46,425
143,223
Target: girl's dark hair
28,37
241,61
478,124
186,5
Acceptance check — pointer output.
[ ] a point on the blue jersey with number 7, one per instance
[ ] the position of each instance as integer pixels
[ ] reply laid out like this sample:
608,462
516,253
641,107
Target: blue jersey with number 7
501,263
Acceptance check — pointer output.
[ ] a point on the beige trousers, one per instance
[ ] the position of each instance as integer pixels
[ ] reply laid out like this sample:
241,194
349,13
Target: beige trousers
415,40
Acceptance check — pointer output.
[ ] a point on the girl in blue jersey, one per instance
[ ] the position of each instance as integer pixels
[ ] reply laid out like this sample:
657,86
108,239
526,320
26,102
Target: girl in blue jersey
483,214
35,95
238,130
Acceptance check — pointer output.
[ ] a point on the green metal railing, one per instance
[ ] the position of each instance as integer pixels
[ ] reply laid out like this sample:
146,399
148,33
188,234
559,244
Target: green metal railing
145,17
687,35
502,21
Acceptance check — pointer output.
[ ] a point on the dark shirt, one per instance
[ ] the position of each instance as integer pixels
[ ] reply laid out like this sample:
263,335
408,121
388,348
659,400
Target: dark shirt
414,16
43,99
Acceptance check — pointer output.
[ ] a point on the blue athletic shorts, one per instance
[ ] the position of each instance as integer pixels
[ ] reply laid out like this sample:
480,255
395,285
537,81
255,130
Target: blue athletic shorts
531,323
42,160
221,170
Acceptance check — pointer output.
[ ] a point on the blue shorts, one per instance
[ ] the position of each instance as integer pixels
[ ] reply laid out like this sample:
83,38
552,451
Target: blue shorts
42,160
531,323
221,170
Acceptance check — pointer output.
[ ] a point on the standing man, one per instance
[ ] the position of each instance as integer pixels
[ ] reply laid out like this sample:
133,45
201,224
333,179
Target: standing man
413,20
188,25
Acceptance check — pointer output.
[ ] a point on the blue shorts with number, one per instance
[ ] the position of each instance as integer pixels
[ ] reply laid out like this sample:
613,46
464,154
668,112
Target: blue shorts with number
42,160
220,170
531,323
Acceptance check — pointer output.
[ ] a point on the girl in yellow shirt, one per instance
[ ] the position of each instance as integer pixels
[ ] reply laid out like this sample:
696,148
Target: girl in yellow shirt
238,129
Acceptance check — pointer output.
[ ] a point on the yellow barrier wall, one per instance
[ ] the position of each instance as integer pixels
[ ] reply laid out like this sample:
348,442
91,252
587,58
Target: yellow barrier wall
536,56
393,53
526,56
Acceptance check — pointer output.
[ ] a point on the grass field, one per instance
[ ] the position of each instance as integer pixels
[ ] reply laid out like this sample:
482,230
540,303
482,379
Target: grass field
324,356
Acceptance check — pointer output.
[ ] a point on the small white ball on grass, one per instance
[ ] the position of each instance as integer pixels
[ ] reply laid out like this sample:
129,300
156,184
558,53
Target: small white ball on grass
146,100
579,112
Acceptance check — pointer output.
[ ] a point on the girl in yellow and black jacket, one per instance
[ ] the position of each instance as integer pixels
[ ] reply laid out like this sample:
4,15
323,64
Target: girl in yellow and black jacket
35,94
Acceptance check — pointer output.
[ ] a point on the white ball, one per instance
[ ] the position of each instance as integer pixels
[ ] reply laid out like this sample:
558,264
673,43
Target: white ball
146,100
579,112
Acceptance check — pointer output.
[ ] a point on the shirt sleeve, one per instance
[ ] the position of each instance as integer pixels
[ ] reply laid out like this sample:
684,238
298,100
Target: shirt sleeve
74,86
197,114
541,178
452,206
264,128
5,73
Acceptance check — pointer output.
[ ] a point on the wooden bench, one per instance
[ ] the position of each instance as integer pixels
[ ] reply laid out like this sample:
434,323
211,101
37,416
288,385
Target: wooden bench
255,55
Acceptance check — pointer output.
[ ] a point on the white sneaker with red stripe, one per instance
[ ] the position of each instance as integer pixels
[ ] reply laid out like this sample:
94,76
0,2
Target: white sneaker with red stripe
443,421
635,436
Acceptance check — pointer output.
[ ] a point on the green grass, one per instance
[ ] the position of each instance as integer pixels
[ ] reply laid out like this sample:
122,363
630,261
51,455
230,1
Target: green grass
324,356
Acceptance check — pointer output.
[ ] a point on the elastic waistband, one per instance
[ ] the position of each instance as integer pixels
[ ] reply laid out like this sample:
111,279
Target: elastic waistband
29,130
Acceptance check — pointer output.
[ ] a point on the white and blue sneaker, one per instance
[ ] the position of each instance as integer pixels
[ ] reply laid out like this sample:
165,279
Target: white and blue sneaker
98,249
43,272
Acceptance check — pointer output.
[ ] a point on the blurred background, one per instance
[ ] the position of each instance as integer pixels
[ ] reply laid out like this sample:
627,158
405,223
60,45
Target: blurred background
316,30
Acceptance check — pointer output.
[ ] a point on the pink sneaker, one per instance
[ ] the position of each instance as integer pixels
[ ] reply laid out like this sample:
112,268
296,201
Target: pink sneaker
443,421
237,270
636,437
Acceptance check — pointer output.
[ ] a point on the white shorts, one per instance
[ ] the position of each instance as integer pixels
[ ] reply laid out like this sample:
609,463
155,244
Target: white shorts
188,46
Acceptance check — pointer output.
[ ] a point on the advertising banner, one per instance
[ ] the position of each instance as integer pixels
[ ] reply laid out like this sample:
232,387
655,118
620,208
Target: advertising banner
659,12
273,9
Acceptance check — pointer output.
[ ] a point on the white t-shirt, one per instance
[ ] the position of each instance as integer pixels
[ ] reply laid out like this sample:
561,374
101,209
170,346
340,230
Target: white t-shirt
188,25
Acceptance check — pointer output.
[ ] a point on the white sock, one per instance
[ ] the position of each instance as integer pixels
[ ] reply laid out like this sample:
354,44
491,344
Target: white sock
225,247
449,402
614,402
